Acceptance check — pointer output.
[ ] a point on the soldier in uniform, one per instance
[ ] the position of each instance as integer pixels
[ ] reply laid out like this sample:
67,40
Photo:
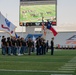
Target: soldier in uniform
13,45
52,46
47,46
37,47
29,43
23,48
9,45
3,44
19,45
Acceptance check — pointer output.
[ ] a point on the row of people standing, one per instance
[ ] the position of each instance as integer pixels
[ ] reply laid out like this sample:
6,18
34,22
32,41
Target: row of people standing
13,45
18,46
42,46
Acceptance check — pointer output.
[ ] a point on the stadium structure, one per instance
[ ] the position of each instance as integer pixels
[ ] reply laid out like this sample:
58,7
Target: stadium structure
66,36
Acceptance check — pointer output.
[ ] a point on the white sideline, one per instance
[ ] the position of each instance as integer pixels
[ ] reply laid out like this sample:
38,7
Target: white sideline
61,74
36,71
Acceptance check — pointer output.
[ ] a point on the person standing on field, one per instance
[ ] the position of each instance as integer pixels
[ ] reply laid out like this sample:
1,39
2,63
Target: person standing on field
29,43
52,46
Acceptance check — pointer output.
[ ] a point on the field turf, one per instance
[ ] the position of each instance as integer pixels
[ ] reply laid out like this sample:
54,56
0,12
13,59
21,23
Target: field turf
63,62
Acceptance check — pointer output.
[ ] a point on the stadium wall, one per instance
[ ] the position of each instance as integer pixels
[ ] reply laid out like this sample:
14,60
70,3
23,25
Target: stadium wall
63,39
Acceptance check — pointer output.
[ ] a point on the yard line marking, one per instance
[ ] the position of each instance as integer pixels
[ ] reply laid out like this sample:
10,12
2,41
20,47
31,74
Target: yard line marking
71,67
36,71
61,74
66,69
73,60
14,61
71,63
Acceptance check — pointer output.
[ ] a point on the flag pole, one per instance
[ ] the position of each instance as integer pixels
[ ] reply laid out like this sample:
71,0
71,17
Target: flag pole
22,31
6,32
43,27
22,25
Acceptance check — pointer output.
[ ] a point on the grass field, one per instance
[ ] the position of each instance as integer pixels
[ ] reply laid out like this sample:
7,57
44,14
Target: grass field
63,62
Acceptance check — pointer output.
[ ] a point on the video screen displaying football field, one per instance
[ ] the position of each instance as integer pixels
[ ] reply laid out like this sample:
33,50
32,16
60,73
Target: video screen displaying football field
35,13
32,12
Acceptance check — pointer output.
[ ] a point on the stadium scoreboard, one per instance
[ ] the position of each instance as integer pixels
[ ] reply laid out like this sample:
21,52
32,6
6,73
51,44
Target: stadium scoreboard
34,12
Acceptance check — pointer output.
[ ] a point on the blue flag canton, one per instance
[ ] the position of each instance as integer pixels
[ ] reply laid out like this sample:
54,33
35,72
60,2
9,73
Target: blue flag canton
16,35
7,22
48,25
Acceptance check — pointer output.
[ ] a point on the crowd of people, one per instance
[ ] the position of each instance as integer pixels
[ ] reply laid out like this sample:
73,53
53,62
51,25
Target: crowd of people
19,46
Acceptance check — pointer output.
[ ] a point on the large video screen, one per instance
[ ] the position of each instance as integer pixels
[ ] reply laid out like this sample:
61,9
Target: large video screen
35,12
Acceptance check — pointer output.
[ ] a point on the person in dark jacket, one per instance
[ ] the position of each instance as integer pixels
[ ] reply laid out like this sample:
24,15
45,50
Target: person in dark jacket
13,45
52,46
9,45
47,45
3,44
29,43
